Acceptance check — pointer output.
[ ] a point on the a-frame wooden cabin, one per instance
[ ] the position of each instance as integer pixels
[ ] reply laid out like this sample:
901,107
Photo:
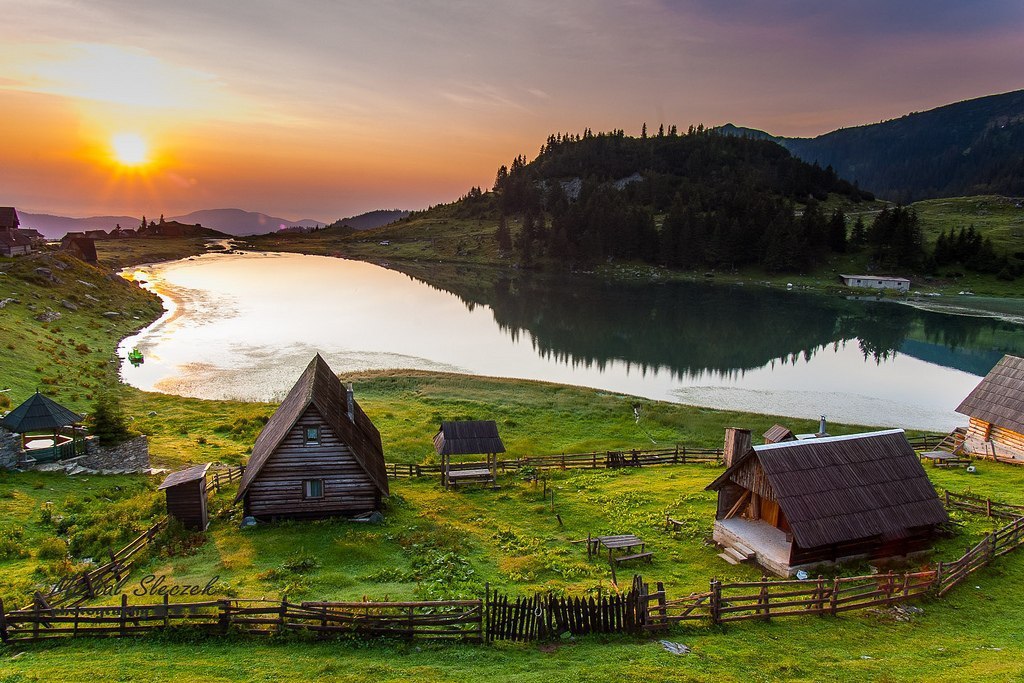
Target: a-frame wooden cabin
319,455
996,411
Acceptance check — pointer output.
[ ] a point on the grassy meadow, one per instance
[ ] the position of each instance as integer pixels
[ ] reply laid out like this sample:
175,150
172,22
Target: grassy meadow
435,543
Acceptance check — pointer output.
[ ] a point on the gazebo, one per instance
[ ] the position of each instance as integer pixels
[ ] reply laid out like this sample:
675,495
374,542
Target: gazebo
468,437
43,424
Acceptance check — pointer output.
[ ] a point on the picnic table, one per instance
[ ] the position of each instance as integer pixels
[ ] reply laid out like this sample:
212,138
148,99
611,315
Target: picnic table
621,542
945,459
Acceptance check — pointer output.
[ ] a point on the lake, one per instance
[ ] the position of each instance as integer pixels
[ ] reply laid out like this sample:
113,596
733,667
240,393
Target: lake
242,326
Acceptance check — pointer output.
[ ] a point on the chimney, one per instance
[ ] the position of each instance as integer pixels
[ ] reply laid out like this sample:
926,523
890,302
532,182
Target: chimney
351,402
822,427
737,443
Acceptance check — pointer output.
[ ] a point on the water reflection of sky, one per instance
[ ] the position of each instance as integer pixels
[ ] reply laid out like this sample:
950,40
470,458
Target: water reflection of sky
245,325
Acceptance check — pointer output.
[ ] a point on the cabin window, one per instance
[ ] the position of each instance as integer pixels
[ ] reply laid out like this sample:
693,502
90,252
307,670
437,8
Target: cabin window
312,434
313,488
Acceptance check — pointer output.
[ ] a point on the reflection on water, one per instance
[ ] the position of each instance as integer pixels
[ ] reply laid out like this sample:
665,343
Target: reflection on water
247,324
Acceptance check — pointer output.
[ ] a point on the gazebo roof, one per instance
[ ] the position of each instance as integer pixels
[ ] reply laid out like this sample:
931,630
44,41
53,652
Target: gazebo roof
37,414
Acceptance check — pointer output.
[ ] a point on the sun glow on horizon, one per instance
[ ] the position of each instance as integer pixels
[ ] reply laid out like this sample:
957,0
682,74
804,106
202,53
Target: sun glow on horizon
130,149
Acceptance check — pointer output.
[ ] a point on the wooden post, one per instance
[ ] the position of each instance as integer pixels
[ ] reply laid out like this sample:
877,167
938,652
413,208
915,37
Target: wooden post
763,598
3,622
282,613
167,612
124,613
224,615
74,628
988,507
821,596
716,602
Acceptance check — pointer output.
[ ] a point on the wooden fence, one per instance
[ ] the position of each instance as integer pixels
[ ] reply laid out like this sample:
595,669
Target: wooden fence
225,476
982,506
546,616
450,620
677,455
996,544
78,589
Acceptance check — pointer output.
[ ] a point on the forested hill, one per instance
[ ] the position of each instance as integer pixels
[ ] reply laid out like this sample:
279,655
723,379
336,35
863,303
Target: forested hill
968,148
700,199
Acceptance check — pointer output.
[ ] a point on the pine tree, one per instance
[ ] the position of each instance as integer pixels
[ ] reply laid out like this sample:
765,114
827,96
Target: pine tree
837,232
108,423
859,235
504,236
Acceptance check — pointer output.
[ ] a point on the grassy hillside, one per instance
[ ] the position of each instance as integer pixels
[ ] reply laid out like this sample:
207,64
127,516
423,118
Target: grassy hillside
117,254
60,325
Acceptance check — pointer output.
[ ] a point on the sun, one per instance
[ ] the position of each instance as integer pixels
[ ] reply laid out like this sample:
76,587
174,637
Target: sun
130,149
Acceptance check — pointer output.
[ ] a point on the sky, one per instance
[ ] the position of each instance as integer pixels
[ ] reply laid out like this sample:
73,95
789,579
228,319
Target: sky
328,108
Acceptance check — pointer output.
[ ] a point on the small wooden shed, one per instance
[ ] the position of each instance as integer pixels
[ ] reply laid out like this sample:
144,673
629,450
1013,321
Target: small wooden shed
319,455
186,496
778,434
996,412
468,437
799,503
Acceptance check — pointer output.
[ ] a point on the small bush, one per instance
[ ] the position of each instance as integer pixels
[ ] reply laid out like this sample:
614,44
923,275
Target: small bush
52,548
301,562
11,545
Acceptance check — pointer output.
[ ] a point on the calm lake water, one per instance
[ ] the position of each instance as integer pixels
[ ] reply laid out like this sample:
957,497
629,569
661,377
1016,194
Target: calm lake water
243,326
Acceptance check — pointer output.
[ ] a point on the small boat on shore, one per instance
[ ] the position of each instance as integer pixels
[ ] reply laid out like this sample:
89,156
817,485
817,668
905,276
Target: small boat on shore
135,357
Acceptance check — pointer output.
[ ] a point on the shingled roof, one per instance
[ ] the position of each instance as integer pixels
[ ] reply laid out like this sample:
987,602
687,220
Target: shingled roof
38,414
194,473
778,433
844,488
320,387
999,398
468,437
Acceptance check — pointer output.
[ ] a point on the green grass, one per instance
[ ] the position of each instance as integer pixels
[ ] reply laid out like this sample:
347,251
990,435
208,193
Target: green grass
117,254
69,359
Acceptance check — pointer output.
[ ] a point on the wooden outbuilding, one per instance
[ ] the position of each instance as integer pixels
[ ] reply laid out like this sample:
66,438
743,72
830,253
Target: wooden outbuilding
468,437
996,412
186,496
778,434
82,248
796,504
319,455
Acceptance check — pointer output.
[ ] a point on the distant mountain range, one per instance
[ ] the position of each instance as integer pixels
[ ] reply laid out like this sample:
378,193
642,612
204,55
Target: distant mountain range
230,221
967,148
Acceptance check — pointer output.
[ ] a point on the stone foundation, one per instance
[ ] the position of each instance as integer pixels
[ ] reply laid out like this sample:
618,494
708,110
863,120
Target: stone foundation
130,456
10,449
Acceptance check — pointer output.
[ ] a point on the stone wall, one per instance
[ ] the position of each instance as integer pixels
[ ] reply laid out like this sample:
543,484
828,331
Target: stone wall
131,456
10,449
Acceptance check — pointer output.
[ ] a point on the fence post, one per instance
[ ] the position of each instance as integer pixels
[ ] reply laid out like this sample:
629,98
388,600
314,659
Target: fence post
938,579
988,507
167,611
124,613
716,601
224,616
821,596
282,613
763,597
3,622
834,597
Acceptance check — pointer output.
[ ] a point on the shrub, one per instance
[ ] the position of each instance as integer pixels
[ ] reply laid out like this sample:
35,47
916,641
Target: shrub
301,562
52,548
11,545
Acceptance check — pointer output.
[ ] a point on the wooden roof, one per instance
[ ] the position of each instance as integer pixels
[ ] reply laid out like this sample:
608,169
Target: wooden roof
778,433
844,488
8,218
38,414
999,398
468,437
82,247
320,387
194,473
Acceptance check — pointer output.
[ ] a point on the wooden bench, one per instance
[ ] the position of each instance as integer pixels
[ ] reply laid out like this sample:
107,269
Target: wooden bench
624,558
475,476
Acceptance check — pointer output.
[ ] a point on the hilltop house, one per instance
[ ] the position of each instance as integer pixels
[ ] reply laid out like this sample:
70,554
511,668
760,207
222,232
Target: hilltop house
996,412
12,241
796,504
319,455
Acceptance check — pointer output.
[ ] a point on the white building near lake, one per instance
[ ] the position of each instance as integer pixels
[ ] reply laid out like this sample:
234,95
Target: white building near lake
900,284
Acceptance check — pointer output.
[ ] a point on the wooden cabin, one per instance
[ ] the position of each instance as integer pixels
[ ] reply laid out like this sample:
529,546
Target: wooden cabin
12,241
796,504
319,455
82,248
468,437
186,496
996,412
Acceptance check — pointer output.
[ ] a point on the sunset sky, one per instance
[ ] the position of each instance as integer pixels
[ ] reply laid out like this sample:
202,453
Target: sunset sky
327,108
